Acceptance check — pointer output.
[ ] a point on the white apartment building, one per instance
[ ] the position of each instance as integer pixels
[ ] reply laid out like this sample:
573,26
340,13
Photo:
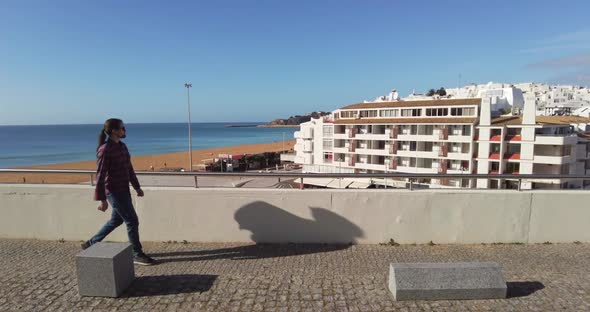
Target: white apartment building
549,100
446,136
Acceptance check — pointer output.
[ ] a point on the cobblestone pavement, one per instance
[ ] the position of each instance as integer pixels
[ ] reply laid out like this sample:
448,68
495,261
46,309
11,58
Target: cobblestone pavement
40,276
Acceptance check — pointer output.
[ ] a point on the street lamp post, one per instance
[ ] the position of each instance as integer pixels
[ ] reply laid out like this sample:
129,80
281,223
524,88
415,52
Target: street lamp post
189,85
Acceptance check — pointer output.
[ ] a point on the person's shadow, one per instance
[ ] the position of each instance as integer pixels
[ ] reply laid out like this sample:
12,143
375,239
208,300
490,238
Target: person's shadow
278,233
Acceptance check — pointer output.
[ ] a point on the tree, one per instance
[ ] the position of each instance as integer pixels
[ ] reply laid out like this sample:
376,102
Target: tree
430,92
441,91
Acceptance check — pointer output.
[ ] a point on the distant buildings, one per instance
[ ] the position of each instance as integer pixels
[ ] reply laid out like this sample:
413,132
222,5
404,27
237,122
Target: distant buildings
489,129
549,100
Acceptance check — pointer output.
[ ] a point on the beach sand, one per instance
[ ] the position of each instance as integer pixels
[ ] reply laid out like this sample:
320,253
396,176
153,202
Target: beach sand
144,163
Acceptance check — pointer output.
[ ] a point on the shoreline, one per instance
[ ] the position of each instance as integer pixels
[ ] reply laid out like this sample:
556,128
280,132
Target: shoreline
143,162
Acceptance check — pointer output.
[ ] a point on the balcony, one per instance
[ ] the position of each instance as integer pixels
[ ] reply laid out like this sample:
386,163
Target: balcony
370,151
460,156
556,140
494,155
340,136
407,153
340,150
417,137
513,156
371,136
552,160
513,138
408,169
496,138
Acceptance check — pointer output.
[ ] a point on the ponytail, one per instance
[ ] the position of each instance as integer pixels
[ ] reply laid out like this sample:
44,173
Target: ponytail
109,125
101,138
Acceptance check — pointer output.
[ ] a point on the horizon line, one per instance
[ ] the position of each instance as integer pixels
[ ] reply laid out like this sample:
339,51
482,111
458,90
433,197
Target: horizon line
136,123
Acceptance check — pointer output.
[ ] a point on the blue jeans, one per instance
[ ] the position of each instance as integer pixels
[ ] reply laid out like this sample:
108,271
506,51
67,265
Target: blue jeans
123,211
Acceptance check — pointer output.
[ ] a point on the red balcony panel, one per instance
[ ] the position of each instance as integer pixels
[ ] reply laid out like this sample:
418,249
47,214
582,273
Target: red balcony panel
496,138
494,172
494,156
513,138
512,156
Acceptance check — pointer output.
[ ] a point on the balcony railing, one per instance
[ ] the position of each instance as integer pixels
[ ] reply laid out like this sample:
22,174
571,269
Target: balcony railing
301,176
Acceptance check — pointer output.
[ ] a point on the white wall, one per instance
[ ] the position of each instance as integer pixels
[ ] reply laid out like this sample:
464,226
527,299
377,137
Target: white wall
362,216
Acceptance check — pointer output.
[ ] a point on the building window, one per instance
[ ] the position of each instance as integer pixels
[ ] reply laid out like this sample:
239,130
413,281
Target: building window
348,114
388,113
327,144
415,112
512,167
437,111
328,157
466,130
463,111
368,113
328,130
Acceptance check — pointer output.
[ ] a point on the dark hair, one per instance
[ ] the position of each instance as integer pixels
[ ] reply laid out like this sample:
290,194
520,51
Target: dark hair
109,125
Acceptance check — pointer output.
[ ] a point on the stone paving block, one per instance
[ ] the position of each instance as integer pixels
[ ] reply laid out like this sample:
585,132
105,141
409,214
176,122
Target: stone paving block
442,281
105,269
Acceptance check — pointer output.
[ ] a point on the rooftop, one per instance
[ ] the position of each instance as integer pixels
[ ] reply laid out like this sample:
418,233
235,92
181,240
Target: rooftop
540,120
444,102
412,120
230,277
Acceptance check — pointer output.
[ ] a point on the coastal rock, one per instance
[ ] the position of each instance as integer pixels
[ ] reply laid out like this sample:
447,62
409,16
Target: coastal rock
296,120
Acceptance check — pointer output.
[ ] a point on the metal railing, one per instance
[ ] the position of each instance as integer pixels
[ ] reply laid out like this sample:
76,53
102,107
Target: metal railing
412,177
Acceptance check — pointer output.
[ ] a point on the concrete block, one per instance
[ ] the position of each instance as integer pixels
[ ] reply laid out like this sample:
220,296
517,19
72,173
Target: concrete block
105,269
442,281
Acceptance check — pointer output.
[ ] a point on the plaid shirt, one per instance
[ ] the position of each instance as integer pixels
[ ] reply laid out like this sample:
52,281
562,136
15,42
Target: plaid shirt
114,170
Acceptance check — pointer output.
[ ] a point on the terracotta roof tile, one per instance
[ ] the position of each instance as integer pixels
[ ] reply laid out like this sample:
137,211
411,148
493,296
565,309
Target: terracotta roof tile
506,120
446,102
540,120
561,120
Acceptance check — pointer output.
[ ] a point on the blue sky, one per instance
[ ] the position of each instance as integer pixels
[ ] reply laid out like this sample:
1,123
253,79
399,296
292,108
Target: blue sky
84,61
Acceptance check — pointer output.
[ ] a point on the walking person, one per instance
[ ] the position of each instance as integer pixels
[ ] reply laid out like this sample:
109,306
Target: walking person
113,175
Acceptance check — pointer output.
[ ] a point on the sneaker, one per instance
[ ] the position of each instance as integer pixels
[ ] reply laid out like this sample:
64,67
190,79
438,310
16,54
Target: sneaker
143,259
85,245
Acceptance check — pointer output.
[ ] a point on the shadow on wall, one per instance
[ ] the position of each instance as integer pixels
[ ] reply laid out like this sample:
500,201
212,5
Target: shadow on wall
278,233
270,224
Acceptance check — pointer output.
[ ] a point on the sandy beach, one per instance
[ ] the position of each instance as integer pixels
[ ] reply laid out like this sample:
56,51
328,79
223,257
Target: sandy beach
144,162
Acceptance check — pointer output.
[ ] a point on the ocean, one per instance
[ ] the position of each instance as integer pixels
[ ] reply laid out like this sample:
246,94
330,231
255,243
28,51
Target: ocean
50,144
